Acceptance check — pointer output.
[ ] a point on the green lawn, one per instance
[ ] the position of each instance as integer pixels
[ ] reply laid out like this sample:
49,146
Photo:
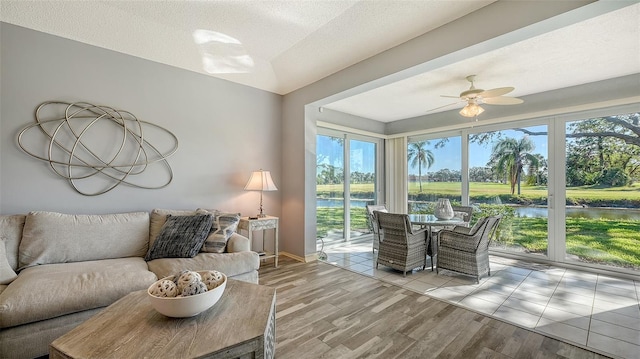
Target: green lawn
477,188
613,242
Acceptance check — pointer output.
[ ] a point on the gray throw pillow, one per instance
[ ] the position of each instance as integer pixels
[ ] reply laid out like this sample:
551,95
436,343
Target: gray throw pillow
224,225
181,237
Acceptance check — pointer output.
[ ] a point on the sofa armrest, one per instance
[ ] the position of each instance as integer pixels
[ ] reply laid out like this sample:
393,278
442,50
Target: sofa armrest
238,243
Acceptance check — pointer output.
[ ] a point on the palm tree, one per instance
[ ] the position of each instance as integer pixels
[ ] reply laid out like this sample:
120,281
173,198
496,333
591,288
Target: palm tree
419,156
510,156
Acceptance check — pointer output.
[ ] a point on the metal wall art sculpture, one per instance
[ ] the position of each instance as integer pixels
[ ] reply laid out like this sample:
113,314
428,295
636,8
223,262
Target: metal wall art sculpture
98,146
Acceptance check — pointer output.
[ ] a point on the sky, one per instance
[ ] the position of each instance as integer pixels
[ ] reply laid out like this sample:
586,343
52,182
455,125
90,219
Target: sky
450,156
363,153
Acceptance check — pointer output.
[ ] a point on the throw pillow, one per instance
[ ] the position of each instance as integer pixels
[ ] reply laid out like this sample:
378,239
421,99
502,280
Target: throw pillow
7,275
224,225
181,237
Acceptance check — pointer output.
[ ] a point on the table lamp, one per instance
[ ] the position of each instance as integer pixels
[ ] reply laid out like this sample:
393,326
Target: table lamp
260,181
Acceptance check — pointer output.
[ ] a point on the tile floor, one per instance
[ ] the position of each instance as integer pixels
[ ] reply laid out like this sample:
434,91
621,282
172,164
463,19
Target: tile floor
594,311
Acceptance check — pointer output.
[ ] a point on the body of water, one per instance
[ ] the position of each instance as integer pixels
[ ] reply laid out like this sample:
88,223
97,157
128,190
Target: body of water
523,211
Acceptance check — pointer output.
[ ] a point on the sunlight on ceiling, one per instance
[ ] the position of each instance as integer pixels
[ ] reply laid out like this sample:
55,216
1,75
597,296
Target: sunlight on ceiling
221,53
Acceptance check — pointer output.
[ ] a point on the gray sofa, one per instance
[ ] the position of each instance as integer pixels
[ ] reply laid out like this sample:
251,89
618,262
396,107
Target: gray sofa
57,270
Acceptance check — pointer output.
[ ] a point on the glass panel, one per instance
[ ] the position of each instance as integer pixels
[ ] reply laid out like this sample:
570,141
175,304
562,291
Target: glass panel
602,191
508,175
434,172
362,185
330,187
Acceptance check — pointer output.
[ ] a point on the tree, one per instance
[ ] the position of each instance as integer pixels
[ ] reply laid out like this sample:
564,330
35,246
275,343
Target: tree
328,174
419,156
596,157
481,174
510,156
537,173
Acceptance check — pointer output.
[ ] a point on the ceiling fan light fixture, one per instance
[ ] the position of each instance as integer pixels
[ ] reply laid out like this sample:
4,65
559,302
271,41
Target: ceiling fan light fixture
471,110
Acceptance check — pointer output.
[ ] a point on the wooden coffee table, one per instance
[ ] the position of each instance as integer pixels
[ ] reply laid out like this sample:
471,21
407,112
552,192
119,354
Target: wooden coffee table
241,324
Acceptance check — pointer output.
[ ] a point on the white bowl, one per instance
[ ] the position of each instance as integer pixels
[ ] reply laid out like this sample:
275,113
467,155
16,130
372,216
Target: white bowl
183,307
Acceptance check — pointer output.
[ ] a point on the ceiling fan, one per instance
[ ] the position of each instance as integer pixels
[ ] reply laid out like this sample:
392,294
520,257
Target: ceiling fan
474,97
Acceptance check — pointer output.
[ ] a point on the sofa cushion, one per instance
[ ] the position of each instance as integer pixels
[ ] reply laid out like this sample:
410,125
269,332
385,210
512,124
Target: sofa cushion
50,237
230,264
181,236
11,233
224,225
52,290
7,275
238,243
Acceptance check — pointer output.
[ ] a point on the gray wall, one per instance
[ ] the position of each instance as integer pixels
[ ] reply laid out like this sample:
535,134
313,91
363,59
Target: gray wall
225,130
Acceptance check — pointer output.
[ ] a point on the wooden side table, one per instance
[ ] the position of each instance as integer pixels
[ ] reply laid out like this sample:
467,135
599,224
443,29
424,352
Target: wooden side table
261,224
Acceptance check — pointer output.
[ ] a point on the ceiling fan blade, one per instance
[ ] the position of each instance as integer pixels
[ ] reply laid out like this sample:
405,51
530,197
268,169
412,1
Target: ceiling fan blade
447,96
502,100
496,92
441,107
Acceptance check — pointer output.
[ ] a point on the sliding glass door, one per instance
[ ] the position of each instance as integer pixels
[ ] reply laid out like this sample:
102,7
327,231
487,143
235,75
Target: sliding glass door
347,179
330,186
508,175
602,191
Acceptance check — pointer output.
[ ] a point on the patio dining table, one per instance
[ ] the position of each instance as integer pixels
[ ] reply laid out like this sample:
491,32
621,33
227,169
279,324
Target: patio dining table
431,221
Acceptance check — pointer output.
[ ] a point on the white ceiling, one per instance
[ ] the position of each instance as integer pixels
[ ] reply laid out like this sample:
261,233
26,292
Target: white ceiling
280,46
600,48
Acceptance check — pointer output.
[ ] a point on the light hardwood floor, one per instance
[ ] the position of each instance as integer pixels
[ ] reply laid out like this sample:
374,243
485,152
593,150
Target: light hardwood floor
324,311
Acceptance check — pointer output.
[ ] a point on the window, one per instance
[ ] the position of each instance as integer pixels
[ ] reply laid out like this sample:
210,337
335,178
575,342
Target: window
434,166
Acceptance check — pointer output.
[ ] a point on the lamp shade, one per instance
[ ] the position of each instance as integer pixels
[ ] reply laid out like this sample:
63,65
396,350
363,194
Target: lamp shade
260,181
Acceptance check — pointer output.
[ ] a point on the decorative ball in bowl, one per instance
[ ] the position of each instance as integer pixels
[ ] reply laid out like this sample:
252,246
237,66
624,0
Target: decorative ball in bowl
187,293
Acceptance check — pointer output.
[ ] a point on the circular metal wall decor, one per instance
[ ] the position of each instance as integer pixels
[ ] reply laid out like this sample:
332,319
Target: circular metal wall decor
96,148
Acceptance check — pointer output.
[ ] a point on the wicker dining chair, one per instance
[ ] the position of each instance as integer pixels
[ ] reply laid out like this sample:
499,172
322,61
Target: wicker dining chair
375,228
467,214
466,250
402,247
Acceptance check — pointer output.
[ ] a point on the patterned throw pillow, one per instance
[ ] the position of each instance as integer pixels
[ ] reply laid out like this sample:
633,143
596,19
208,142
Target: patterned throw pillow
223,227
181,237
